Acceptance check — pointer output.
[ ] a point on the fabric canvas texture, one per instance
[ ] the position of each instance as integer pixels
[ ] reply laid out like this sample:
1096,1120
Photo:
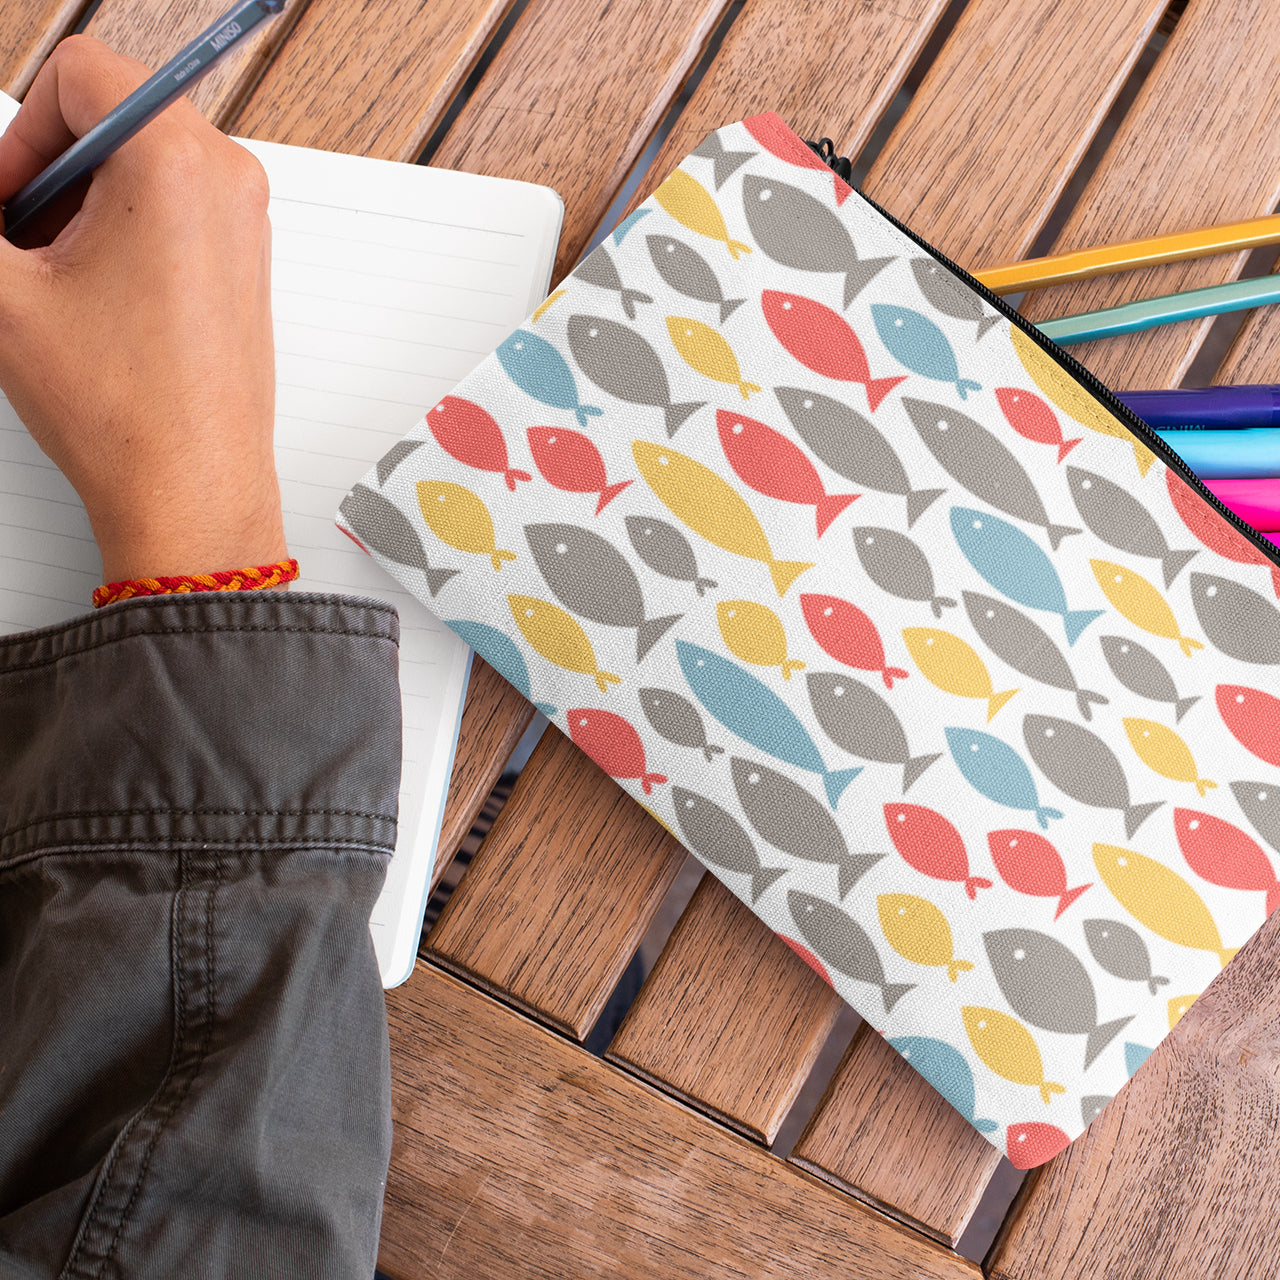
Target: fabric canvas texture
883,613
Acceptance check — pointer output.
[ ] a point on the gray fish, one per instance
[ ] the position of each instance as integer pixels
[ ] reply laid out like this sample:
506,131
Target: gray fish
718,839
618,360
1261,804
973,457
852,447
790,819
724,163
841,943
1091,1107
598,268
1025,645
386,529
1121,952
1141,672
1047,986
589,576
395,456
858,720
802,233
896,565
686,271
677,720
666,551
1237,620
1083,767
1121,521
944,293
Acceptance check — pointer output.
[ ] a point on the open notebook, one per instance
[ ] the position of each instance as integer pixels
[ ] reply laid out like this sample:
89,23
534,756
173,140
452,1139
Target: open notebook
390,282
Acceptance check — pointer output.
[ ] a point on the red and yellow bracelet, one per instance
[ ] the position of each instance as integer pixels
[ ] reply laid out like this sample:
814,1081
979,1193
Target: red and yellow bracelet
256,578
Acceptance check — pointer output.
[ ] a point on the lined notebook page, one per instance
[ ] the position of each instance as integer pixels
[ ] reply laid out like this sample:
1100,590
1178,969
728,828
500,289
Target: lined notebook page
390,283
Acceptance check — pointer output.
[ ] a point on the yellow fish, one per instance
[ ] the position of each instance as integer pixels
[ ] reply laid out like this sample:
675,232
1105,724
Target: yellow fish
1178,1005
712,508
1140,602
707,353
754,633
691,205
1006,1046
537,315
1058,385
1163,751
919,932
558,637
953,665
1160,900
457,517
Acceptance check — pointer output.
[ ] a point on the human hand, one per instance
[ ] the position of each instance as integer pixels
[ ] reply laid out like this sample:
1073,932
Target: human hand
137,345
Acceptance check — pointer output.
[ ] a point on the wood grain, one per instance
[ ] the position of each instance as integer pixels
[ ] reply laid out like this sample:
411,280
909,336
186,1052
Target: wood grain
28,32
730,1019
379,95
1176,1177
561,891
518,1154
882,1133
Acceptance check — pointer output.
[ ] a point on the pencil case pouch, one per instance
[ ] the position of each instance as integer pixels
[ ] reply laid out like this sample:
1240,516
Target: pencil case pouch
886,608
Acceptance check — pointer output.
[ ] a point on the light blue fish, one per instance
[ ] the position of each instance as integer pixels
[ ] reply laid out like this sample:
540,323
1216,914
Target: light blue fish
500,652
748,707
915,341
1012,563
948,1072
620,231
997,771
540,371
1134,1056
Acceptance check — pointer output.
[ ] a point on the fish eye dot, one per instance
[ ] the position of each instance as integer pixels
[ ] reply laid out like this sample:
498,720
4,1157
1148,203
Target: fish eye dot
1122,862
701,663
688,804
648,532
753,778
440,497
991,613
942,424
1048,733
519,346
786,306
528,613
869,541
688,333
928,642
828,611
808,404
902,817
982,1026
906,1053
737,428
1191,826
732,613
1239,697
561,548
671,248
1013,844
663,460
1086,484
1106,933
551,439
838,691
1262,795
897,324
582,722
1212,591
765,194
1124,648
1022,1137
977,524
591,333
1118,578
1019,954
973,746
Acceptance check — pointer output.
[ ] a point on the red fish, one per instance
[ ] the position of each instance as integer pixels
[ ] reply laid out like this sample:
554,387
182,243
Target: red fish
1032,1142
568,460
769,462
848,635
928,842
822,340
613,744
809,958
468,434
1213,531
1253,718
1224,855
1028,863
780,142
1032,419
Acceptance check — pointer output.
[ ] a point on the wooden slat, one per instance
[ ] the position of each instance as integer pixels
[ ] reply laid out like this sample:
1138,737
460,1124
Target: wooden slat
1254,355
1186,155
381,95
561,891
853,1140
28,32
518,1154
1177,1176
744,1065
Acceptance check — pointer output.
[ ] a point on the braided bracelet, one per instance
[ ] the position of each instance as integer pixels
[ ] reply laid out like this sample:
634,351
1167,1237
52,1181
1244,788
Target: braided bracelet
256,578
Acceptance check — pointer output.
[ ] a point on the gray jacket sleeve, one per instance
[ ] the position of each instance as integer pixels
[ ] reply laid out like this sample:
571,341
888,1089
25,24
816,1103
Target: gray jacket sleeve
197,804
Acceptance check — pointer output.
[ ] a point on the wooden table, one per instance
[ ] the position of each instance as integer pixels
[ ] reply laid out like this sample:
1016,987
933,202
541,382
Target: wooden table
517,1152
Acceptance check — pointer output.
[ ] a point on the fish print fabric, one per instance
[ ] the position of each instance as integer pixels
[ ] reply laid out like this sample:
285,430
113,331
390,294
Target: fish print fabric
883,615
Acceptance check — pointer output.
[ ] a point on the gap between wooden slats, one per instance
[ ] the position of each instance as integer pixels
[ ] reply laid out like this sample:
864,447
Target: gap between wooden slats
1254,355
28,31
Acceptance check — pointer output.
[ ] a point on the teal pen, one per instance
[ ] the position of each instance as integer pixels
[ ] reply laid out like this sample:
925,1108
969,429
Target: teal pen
1249,454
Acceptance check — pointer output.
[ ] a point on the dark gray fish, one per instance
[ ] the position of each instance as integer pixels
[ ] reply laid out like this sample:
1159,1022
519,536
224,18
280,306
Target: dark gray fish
677,720
1091,1107
1083,767
1237,620
589,576
858,720
666,551
944,293
598,268
1261,804
719,840
976,459
395,456
1141,672
851,446
841,943
724,163
686,271
1121,952
802,233
1025,645
1121,521
896,565
790,819
384,528
1046,985
618,360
